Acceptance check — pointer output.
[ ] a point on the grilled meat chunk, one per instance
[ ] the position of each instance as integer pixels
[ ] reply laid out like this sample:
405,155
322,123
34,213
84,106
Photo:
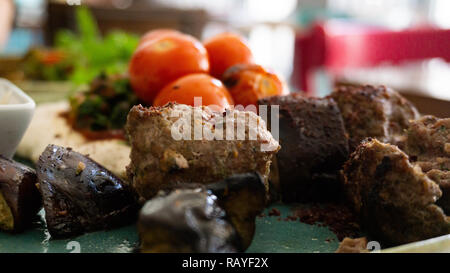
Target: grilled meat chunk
186,220
180,143
350,245
428,146
80,195
19,197
374,111
395,200
315,147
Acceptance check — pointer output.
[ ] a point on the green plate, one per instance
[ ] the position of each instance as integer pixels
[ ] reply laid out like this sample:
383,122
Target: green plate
272,235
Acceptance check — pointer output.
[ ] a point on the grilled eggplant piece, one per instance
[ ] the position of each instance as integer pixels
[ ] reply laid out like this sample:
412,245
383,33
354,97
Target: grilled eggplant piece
243,197
80,195
19,198
186,220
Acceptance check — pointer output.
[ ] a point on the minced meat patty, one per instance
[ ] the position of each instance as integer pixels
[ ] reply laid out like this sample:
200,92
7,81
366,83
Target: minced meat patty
158,159
315,147
428,146
396,201
374,111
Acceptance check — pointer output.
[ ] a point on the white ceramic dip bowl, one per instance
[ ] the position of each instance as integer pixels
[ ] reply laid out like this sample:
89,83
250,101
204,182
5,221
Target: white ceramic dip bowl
16,111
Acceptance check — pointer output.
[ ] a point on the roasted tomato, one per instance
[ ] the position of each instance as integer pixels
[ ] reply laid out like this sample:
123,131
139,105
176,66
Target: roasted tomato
249,82
157,33
225,50
162,60
183,91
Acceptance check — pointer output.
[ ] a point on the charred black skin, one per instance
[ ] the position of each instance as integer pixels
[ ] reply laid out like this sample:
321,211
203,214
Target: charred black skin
185,221
243,197
18,186
80,195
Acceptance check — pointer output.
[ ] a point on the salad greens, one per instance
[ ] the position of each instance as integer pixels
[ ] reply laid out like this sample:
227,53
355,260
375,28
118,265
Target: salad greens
89,53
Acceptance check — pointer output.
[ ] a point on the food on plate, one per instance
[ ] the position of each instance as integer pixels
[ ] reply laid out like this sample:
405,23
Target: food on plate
248,83
156,63
314,147
243,197
187,88
51,126
186,220
156,34
350,245
101,113
80,195
225,50
180,143
428,146
374,111
396,201
93,123
20,200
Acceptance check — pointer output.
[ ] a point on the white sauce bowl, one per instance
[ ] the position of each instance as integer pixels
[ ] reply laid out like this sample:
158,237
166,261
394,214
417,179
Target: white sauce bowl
15,116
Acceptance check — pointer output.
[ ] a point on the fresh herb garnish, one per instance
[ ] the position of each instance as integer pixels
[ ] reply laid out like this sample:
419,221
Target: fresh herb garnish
105,106
89,54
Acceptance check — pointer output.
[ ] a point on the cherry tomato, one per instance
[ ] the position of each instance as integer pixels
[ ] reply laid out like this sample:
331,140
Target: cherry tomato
162,60
157,33
225,50
248,83
183,91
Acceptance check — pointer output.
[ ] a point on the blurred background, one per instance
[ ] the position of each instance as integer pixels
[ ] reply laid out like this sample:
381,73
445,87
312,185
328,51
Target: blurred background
313,44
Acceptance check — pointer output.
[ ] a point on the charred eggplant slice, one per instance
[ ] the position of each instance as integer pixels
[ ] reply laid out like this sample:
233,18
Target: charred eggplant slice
19,198
185,220
80,195
243,197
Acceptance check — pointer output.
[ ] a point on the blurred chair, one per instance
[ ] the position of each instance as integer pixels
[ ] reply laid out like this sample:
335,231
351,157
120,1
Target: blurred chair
337,45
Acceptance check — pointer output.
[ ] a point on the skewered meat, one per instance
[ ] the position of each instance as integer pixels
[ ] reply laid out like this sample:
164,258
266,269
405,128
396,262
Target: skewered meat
80,195
186,220
19,198
315,147
157,158
428,146
374,111
395,200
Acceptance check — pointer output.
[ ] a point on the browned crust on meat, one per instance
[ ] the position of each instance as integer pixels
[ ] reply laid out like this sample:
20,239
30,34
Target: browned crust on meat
315,147
374,111
428,146
157,159
395,200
